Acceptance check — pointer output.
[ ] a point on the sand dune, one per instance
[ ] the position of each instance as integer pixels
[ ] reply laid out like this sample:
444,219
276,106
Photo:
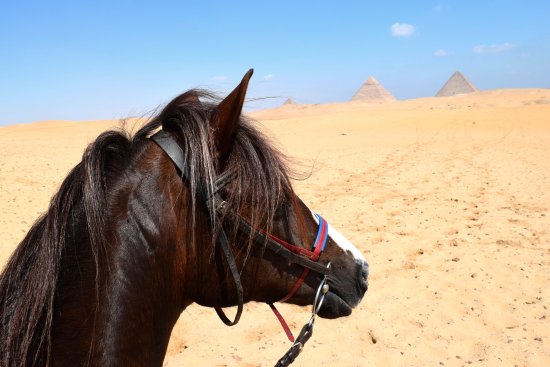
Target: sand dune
448,197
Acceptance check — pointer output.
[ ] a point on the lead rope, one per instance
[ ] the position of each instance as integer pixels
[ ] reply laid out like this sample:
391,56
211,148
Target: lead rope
307,329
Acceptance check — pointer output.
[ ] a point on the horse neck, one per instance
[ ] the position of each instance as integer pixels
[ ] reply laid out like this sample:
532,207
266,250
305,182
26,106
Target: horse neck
141,281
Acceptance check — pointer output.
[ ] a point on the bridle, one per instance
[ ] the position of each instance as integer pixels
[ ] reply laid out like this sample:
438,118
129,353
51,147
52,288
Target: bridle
292,253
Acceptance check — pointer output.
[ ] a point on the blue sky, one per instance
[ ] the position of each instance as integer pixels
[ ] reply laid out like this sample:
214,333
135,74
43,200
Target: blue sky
83,60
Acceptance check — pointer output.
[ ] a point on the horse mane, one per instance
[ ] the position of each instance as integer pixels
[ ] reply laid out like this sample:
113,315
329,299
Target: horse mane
29,280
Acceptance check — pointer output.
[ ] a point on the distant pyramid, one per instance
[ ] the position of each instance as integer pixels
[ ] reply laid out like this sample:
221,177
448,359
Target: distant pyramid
372,90
290,101
457,84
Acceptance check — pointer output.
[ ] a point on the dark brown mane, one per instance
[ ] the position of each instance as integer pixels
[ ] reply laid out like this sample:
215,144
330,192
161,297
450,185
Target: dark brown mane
81,209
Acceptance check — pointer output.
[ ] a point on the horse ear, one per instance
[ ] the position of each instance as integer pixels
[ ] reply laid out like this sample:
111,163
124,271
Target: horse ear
228,112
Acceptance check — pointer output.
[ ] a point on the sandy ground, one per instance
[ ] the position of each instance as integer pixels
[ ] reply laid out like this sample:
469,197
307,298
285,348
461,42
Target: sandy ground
448,198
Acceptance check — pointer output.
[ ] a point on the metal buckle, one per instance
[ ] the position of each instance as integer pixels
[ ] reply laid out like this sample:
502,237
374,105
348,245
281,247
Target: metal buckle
320,295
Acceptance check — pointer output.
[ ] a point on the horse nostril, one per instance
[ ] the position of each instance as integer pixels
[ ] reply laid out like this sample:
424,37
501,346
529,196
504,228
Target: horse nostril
362,277
365,270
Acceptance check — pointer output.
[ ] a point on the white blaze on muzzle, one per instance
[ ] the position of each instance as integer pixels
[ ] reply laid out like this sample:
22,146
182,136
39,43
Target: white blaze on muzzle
342,242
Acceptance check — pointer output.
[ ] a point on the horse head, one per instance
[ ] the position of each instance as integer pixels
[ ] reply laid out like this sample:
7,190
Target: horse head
250,178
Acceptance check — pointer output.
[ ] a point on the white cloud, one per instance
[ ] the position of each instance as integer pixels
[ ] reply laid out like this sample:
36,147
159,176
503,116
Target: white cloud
495,48
269,77
441,53
437,8
402,29
218,78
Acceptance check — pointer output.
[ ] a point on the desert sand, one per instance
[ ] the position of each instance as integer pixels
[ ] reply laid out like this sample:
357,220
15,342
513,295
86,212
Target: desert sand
448,198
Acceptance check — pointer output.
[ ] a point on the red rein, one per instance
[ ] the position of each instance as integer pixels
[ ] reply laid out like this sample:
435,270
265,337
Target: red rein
318,247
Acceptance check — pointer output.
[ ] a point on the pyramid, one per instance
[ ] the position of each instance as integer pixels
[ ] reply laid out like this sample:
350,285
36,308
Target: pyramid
290,101
372,90
457,84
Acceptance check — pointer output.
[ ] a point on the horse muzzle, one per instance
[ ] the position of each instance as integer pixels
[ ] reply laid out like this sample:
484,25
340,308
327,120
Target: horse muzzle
345,292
